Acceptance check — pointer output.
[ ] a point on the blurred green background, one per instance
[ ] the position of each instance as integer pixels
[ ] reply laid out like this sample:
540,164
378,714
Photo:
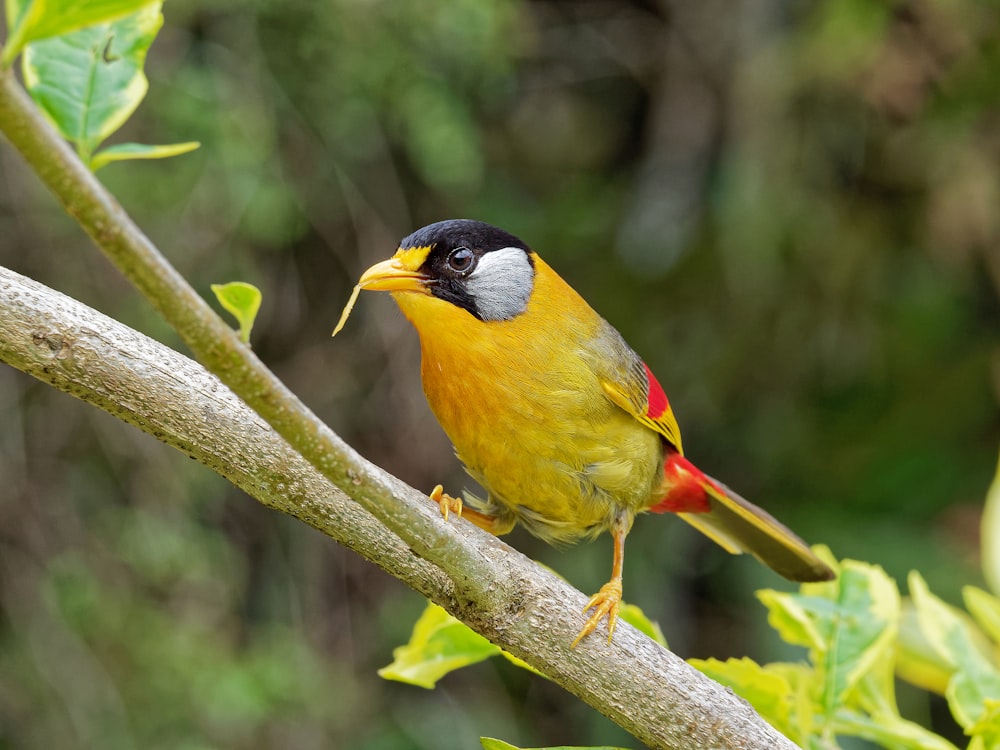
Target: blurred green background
789,209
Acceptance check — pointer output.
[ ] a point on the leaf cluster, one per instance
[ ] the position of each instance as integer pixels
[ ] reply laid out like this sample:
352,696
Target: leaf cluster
83,65
851,630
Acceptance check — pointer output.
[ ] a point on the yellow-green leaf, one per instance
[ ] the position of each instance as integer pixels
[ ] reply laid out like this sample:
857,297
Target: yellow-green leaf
29,20
917,661
438,645
875,692
987,728
791,618
848,625
126,151
985,609
242,300
889,731
90,81
990,535
947,629
490,743
952,635
520,663
868,603
805,684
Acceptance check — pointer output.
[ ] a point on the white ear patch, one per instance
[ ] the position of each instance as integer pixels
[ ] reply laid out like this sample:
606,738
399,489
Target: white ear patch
501,283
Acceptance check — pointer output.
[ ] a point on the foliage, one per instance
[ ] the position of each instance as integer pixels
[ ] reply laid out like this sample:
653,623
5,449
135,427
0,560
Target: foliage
973,690
440,644
991,539
492,744
31,20
83,65
242,301
850,628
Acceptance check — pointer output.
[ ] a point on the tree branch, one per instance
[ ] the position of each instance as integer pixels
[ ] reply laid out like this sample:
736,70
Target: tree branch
643,687
291,461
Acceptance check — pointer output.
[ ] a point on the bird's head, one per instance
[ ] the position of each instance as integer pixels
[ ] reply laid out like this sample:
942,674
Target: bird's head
476,267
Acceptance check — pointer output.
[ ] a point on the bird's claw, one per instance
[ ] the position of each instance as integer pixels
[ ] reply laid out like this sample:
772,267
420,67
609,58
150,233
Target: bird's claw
446,502
605,602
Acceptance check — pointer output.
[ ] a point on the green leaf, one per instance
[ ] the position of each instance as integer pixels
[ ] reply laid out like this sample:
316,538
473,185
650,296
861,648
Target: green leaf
875,692
89,82
438,645
30,20
520,663
849,625
917,661
436,633
489,743
804,682
985,609
990,531
791,617
125,151
242,300
953,637
889,731
987,728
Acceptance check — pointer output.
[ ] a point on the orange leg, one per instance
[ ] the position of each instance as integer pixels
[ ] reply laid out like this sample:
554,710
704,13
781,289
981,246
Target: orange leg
449,504
607,601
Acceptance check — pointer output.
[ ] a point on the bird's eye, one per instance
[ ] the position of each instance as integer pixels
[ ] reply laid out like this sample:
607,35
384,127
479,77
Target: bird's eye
461,259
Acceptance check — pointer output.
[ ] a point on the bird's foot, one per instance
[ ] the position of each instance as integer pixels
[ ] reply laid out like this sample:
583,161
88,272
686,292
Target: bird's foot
605,602
446,502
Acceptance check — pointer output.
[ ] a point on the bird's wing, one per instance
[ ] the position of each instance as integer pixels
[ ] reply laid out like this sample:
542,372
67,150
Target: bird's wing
716,511
635,389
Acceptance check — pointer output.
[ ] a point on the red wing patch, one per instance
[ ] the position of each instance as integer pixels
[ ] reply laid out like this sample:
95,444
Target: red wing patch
686,488
636,391
656,401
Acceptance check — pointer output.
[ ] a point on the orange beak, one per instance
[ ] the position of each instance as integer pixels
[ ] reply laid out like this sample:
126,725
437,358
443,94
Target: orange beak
390,276
397,274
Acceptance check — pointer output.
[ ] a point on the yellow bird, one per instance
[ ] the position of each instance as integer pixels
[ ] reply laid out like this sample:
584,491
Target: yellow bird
552,412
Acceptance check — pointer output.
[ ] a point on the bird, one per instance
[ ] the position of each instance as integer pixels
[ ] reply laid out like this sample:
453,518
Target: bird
552,412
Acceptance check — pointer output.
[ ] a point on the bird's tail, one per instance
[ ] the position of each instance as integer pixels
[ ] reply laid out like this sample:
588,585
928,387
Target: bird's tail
736,524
